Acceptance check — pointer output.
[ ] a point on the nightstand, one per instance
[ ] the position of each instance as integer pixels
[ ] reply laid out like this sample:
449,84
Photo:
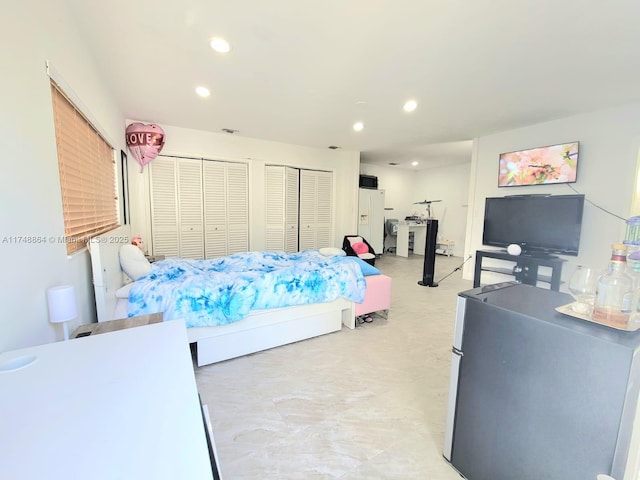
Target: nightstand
113,325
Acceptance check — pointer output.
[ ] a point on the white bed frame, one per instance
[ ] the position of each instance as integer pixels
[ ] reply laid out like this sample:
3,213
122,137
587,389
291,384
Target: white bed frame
260,330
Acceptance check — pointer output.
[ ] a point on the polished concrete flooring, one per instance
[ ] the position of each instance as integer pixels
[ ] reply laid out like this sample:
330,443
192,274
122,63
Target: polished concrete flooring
368,403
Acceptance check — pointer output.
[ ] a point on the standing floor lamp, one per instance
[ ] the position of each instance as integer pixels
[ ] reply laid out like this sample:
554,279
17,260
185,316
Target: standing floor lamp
62,306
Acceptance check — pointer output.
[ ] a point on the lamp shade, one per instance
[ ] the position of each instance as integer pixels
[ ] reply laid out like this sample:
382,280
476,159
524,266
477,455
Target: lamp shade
62,303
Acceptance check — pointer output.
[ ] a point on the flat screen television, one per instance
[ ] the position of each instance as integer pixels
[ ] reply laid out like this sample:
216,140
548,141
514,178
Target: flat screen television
537,166
540,224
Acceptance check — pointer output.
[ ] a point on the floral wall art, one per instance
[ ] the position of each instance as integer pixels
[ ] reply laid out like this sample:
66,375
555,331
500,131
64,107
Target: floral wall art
543,165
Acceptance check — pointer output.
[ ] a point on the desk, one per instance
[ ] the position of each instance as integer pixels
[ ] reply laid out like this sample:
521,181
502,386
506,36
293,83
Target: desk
419,238
119,405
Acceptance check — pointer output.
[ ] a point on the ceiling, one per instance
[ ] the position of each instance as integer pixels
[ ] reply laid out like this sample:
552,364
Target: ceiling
304,72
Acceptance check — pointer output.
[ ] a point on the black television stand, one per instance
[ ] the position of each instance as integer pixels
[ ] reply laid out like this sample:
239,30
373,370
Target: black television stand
523,267
545,256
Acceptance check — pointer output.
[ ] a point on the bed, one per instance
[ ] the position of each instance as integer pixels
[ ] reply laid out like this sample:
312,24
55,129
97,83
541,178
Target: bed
259,330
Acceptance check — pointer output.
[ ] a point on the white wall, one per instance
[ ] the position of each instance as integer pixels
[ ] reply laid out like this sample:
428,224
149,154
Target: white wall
449,184
609,142
398,188
32,33
257,153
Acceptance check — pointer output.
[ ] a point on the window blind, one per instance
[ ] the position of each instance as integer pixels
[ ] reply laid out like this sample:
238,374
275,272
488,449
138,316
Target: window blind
87,174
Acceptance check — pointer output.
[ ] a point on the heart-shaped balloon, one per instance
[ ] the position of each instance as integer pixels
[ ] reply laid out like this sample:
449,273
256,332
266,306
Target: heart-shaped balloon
145,142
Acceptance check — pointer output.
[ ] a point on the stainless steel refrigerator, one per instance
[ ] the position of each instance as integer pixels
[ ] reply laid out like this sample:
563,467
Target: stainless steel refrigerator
535,394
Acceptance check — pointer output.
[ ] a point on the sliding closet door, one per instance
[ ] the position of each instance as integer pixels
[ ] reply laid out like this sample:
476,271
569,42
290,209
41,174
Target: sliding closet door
190,213
199,208
226,208
164,207
281,208
274,208
237,208
215,209
291,206
176,207
316,207
324,212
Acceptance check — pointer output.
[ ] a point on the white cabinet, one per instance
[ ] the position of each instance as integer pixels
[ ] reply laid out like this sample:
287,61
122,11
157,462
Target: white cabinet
316,209
199,208
282,185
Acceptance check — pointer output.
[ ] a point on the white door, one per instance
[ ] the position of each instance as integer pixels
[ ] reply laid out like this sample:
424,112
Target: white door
237,208
164,207
291,209
215,209
176,207
226,208
282,208
316,209
190,208
275,208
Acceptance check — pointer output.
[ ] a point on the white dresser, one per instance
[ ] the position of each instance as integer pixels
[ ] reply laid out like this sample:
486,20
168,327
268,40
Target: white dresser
119,405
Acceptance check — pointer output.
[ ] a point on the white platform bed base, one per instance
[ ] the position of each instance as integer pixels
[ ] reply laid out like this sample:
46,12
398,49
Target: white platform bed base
266,329
260,330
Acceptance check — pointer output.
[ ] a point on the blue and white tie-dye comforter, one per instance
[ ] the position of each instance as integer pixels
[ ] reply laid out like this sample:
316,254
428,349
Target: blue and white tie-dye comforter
224,290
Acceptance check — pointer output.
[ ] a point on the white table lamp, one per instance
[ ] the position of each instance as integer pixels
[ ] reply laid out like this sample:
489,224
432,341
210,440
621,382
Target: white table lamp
62,306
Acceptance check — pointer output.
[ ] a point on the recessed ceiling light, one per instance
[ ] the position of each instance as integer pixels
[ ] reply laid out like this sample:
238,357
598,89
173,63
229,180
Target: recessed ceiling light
414,163
220,45
203,91
410,106
358,126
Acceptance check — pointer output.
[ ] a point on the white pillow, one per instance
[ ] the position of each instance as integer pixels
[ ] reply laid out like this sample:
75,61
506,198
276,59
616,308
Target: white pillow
123,292
133,262
332,252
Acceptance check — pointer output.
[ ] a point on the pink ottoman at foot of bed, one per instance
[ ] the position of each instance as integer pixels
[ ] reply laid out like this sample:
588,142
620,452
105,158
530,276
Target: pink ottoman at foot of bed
377,296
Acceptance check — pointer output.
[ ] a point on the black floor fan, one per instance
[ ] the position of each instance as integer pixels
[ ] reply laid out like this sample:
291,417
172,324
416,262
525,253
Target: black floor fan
428,268
430,244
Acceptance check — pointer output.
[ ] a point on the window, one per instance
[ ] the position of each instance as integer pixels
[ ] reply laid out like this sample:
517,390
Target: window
87,174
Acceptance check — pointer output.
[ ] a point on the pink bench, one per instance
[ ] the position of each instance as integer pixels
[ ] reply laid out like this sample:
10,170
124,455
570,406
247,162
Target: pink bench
378,295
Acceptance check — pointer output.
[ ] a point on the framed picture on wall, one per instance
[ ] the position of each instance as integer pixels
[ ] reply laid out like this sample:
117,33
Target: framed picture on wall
539,166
